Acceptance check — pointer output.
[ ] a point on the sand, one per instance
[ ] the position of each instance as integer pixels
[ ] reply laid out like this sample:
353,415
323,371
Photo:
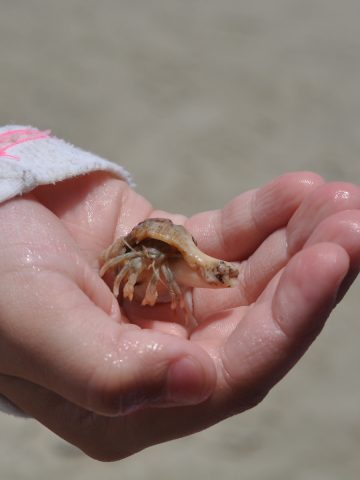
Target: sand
202,100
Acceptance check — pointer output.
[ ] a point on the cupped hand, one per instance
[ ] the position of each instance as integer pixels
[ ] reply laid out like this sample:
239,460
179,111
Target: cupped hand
113,381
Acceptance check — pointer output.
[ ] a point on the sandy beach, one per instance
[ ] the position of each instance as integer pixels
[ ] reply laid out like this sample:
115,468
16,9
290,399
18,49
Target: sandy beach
201,100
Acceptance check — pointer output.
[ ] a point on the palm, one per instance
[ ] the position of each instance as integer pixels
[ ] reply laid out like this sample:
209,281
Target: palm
251,334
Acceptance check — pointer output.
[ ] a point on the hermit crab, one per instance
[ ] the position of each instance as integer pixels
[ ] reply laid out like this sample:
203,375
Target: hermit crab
159,261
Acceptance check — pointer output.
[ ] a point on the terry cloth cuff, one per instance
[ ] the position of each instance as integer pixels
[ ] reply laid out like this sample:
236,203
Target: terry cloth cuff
30,157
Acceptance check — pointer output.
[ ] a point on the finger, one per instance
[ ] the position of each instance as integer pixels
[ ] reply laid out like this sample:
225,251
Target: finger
342,228
324,201
280,327
234,232
275,250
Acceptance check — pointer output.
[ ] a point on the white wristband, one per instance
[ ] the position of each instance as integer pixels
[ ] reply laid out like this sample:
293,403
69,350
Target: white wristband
29,158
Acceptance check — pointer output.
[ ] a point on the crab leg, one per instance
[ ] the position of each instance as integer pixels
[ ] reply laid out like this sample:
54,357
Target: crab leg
116,261
136,266
178,297
173,287
117,246
119,278
151,292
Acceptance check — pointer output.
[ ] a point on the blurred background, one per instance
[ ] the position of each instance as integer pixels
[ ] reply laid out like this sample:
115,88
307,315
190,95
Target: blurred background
201,100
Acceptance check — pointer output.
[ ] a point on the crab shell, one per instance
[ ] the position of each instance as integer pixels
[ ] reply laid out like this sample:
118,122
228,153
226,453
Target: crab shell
190,266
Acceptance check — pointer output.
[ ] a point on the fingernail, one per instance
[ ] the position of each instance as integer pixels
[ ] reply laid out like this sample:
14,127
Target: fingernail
186,382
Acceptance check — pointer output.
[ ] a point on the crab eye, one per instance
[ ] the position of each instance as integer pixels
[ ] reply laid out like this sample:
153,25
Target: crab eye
220,276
